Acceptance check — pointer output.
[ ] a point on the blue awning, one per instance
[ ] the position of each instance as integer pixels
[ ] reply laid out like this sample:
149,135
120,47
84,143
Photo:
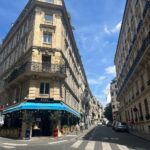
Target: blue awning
41,106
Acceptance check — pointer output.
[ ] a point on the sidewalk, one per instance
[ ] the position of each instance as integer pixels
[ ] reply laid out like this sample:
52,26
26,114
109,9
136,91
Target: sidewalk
45,140
85,131
142,135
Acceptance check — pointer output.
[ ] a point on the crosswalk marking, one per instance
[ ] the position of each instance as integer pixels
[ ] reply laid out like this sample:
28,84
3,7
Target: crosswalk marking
8,147
106,146
77,144
13,144
122,147
57,142
90,145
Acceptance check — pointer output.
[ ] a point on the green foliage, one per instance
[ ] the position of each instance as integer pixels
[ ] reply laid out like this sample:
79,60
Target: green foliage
108,112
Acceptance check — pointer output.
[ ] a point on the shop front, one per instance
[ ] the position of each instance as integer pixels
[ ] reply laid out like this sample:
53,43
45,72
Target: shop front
38,117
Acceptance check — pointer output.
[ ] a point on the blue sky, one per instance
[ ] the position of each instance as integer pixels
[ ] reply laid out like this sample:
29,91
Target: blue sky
97,24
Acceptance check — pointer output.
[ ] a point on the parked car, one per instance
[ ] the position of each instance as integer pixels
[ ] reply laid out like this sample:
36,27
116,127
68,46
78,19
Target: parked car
113,124
109,124
121,126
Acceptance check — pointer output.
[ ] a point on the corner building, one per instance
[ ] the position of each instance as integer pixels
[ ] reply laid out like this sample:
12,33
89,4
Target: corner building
42,76
132,62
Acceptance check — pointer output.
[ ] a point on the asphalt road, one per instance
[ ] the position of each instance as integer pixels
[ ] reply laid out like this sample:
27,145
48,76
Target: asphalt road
100,138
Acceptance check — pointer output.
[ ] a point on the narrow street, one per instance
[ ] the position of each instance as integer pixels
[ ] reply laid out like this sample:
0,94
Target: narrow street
100,138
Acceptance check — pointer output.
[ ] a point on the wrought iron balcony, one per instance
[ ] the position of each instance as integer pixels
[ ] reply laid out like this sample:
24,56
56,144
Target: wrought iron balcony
30,67
46,67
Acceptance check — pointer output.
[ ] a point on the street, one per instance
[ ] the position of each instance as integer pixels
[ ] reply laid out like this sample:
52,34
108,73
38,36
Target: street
99,138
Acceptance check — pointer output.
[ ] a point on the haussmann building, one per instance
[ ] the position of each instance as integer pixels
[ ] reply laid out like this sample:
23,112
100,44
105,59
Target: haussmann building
42,76
132,62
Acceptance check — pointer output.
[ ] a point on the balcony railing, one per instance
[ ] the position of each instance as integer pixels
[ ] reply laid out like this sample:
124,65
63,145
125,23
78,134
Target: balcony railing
146,42
46,67
38,68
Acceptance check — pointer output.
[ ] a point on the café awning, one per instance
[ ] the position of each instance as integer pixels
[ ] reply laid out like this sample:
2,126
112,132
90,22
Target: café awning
41,106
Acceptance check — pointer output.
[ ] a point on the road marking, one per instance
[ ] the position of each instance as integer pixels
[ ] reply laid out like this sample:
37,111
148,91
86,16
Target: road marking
122,147
77,144
13,144
70,135
9,147
90,145
57,142
106,146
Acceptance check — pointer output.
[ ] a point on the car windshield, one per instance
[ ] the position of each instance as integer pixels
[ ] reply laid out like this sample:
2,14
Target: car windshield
121,124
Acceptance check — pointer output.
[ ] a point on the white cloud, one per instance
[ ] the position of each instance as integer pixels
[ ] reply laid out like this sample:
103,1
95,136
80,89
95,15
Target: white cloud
107,30
116,29
107,89
96,81
111,70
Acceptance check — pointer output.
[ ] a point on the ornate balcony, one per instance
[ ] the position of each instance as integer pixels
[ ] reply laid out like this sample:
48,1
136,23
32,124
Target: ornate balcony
30,68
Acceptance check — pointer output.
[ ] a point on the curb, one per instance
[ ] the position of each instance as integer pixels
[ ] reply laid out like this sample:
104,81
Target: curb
145,139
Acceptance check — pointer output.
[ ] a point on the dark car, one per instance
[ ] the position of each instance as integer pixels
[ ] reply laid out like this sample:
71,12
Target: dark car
121,126
109,124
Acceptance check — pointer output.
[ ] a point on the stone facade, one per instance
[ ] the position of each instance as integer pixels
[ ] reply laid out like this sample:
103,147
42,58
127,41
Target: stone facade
39,58
27,60
132,62
114,103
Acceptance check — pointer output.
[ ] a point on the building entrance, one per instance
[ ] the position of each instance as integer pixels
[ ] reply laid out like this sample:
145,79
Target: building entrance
43,125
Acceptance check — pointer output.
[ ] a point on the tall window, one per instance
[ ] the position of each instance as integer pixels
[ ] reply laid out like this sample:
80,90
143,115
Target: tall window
48,17
140,108
44,88
47,38
146,106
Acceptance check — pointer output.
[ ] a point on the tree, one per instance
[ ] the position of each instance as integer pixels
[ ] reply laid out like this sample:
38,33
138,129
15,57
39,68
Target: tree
108,112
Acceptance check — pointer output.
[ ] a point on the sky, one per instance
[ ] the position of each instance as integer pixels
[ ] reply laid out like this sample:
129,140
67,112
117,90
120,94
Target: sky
97,24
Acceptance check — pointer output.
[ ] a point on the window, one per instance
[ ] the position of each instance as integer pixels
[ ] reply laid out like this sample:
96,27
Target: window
48,17
44,88
47,38
50,1
146,106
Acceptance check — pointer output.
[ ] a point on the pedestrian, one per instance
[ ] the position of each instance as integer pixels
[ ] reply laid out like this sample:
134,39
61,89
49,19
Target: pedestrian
81,126
77,129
